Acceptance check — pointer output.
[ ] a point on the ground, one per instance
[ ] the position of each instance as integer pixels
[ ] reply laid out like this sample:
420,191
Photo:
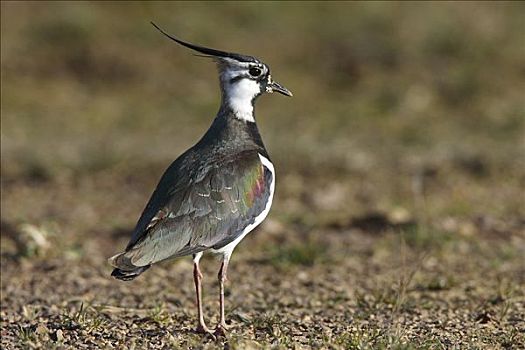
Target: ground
399,215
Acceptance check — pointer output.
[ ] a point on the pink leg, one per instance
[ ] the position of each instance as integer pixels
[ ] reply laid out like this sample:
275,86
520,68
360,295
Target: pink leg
197,278
222,327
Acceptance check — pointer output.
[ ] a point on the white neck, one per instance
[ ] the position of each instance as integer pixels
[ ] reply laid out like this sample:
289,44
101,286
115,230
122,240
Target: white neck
239,97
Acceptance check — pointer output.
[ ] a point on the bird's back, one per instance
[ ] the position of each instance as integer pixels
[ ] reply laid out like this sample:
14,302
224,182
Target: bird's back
205,198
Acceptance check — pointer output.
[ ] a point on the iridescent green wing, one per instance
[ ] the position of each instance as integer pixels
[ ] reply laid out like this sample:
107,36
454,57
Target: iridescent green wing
222,200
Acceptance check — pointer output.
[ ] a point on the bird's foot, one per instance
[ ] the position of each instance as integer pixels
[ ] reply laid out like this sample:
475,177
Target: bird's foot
226,326
203,329
222,329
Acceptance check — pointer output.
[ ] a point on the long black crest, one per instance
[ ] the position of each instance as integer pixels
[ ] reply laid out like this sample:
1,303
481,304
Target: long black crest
208,51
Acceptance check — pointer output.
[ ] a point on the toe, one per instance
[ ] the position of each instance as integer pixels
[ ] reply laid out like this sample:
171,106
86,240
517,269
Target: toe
202,329
221,329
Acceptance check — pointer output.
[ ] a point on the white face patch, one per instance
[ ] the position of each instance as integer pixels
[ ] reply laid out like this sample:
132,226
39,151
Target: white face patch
238,89
268,86
239,96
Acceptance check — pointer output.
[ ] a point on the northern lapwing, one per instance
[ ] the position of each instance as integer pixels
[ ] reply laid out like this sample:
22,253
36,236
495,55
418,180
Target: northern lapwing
216,192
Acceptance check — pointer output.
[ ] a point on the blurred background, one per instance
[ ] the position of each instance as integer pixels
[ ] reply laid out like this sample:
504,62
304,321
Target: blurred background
406,117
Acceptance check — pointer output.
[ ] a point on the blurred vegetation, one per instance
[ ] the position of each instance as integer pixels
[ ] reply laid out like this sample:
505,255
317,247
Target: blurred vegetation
383,92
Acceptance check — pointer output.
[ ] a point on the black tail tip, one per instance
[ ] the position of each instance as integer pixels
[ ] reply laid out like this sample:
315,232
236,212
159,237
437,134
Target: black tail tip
128,275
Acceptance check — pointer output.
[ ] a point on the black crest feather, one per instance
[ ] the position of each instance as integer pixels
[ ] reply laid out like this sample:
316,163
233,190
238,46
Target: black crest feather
209,51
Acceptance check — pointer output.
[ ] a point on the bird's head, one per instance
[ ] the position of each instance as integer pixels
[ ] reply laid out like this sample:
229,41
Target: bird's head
243,78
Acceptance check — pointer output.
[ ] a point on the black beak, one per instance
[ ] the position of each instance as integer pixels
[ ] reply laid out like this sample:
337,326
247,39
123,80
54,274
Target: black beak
276,87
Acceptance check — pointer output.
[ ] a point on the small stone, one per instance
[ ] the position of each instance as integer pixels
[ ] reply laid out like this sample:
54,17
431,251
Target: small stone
59,335
399,215
42,330
302,276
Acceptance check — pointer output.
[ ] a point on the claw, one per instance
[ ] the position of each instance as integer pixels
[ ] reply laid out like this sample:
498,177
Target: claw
221,330
205,330
225,326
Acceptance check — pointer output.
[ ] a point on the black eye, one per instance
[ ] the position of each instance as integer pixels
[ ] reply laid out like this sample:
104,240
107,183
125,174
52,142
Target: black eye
255,72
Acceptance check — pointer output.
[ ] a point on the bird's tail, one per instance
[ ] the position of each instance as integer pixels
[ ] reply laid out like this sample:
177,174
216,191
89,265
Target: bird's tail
128,275
124,269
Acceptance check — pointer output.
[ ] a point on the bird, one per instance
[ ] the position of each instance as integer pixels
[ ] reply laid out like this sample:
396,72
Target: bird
217,191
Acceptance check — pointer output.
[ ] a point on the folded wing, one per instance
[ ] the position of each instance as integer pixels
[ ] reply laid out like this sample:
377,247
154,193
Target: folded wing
208,209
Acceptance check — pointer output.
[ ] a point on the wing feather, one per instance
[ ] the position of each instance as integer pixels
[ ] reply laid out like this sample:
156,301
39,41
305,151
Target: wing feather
209,211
